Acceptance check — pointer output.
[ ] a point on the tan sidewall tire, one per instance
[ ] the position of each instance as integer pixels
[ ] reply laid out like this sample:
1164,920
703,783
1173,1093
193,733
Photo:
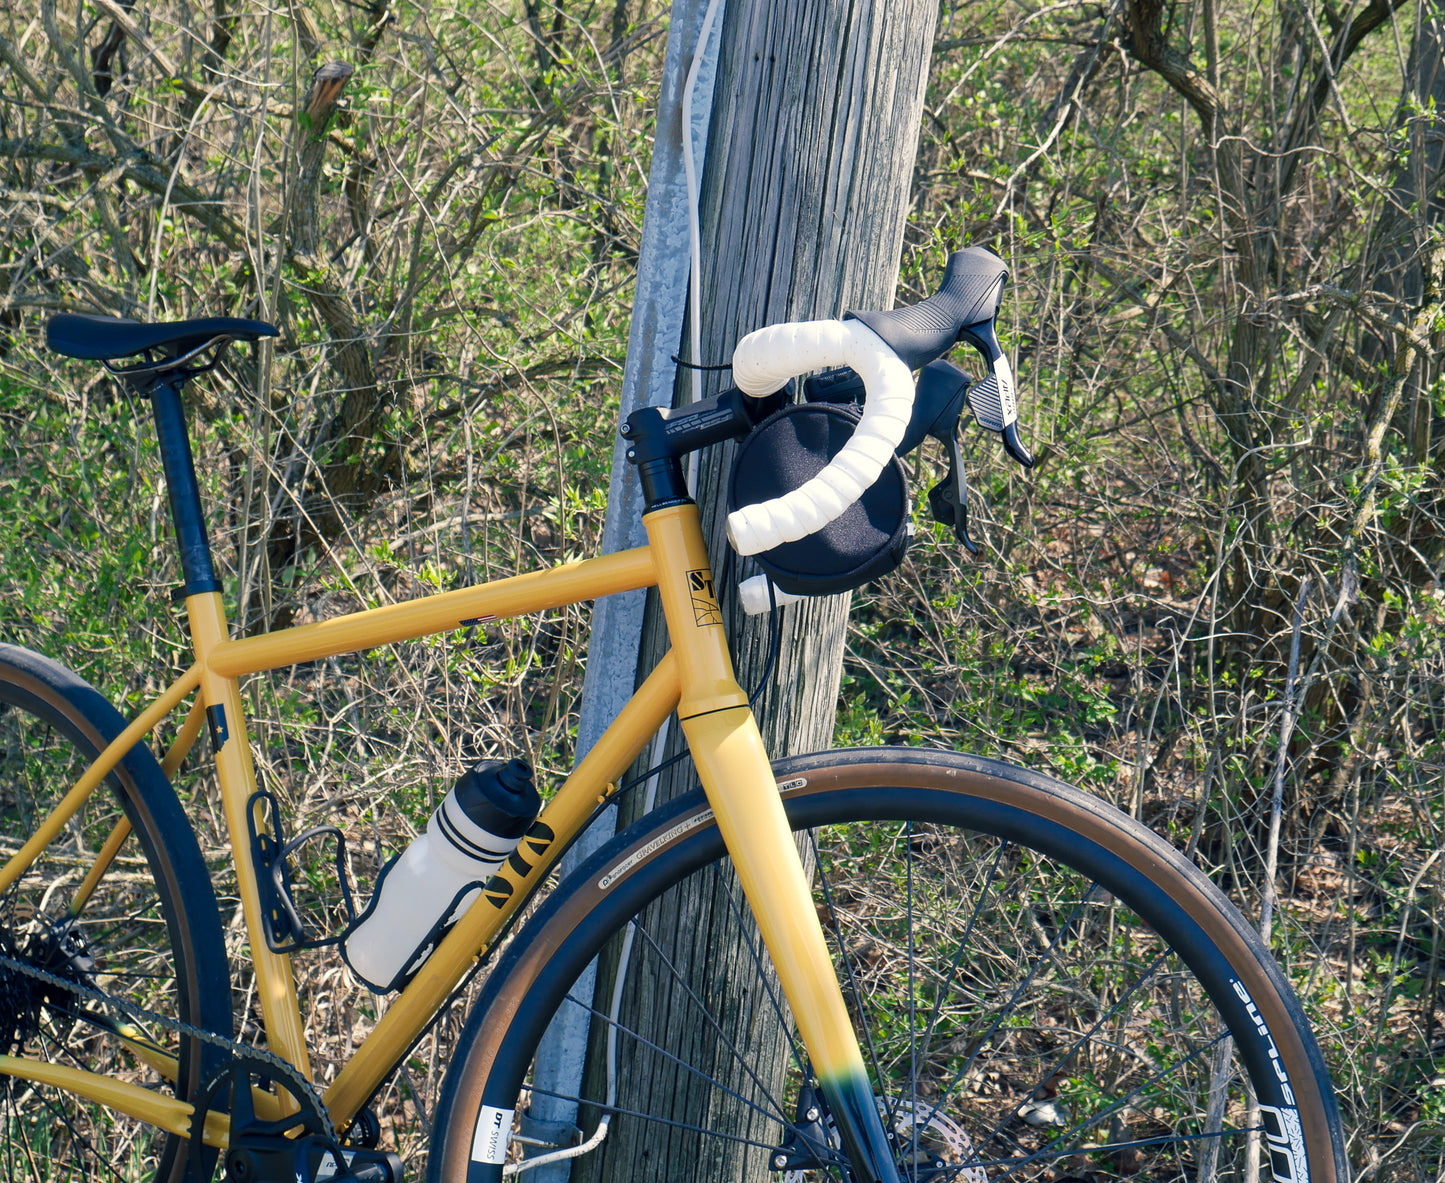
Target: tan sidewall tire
1034,810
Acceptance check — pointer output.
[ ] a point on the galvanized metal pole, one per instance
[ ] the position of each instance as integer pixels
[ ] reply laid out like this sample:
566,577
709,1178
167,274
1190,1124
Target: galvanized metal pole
658,313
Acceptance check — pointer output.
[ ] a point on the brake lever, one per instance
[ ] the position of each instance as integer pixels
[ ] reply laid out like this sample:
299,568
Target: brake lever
948,500
992,399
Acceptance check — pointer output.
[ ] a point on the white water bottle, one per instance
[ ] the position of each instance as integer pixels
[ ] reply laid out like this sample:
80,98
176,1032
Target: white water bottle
440,875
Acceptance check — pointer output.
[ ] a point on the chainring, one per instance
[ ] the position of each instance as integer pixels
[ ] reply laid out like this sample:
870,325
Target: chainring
246,1069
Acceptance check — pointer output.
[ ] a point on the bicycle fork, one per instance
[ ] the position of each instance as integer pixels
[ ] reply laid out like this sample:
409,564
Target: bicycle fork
737,777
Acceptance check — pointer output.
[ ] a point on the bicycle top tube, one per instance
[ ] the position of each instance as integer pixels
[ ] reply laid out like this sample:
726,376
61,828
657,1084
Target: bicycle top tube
881,346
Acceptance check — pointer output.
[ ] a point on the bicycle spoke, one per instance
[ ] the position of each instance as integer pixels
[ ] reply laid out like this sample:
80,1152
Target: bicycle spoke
765,979
1012,1165
1012,1003
1054,1068
670,1057
963,946
713,1021
1115,1107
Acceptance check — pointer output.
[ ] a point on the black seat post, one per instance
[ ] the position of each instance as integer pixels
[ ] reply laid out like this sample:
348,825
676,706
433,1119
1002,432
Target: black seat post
181,487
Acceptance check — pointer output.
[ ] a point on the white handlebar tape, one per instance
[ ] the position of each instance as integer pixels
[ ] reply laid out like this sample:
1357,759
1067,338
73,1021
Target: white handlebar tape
756,598
762,362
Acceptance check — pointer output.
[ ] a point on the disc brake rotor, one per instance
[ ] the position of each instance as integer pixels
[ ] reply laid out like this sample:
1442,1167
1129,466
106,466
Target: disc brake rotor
931,1144
942,1145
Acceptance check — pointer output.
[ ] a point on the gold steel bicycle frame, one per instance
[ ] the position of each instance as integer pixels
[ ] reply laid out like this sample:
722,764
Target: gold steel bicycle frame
696,679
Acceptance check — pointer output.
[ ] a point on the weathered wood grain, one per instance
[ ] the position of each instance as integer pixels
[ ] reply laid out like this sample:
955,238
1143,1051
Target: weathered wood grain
814,130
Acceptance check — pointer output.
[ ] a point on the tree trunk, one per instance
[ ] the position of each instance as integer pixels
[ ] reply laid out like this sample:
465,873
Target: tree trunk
1415,210
814,131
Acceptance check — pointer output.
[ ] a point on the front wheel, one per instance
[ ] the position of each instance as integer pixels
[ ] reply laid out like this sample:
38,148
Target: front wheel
1043,990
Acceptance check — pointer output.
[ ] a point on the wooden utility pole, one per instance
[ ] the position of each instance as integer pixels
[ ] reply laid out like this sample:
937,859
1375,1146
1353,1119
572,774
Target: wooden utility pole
814,131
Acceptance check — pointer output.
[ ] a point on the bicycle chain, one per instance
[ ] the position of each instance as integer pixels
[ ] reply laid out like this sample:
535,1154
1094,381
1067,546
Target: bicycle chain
301,1088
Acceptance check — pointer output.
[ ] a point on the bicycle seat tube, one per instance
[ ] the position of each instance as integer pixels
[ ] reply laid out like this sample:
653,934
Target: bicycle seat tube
275,983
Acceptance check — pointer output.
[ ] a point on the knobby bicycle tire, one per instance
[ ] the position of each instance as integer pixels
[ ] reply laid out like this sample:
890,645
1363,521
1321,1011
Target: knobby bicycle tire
1044,989
148,934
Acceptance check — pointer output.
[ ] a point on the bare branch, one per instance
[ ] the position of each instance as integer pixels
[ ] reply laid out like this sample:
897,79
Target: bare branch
208,211
1148,44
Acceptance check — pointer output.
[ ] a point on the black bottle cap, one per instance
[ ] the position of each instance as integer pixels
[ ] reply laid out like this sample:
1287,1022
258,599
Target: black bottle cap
499,797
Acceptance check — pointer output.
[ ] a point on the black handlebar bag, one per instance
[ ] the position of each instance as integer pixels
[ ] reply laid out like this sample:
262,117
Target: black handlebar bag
788,449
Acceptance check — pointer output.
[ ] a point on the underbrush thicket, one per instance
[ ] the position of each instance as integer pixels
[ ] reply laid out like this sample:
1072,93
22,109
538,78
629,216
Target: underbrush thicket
1228,358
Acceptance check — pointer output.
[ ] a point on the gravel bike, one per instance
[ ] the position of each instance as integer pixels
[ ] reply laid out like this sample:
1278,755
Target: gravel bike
939,966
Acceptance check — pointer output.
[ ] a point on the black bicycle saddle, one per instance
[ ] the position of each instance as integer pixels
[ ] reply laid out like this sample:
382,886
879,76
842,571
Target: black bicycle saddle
101,338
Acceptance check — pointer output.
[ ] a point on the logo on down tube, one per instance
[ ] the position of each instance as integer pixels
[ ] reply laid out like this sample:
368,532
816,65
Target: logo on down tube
1284,1136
